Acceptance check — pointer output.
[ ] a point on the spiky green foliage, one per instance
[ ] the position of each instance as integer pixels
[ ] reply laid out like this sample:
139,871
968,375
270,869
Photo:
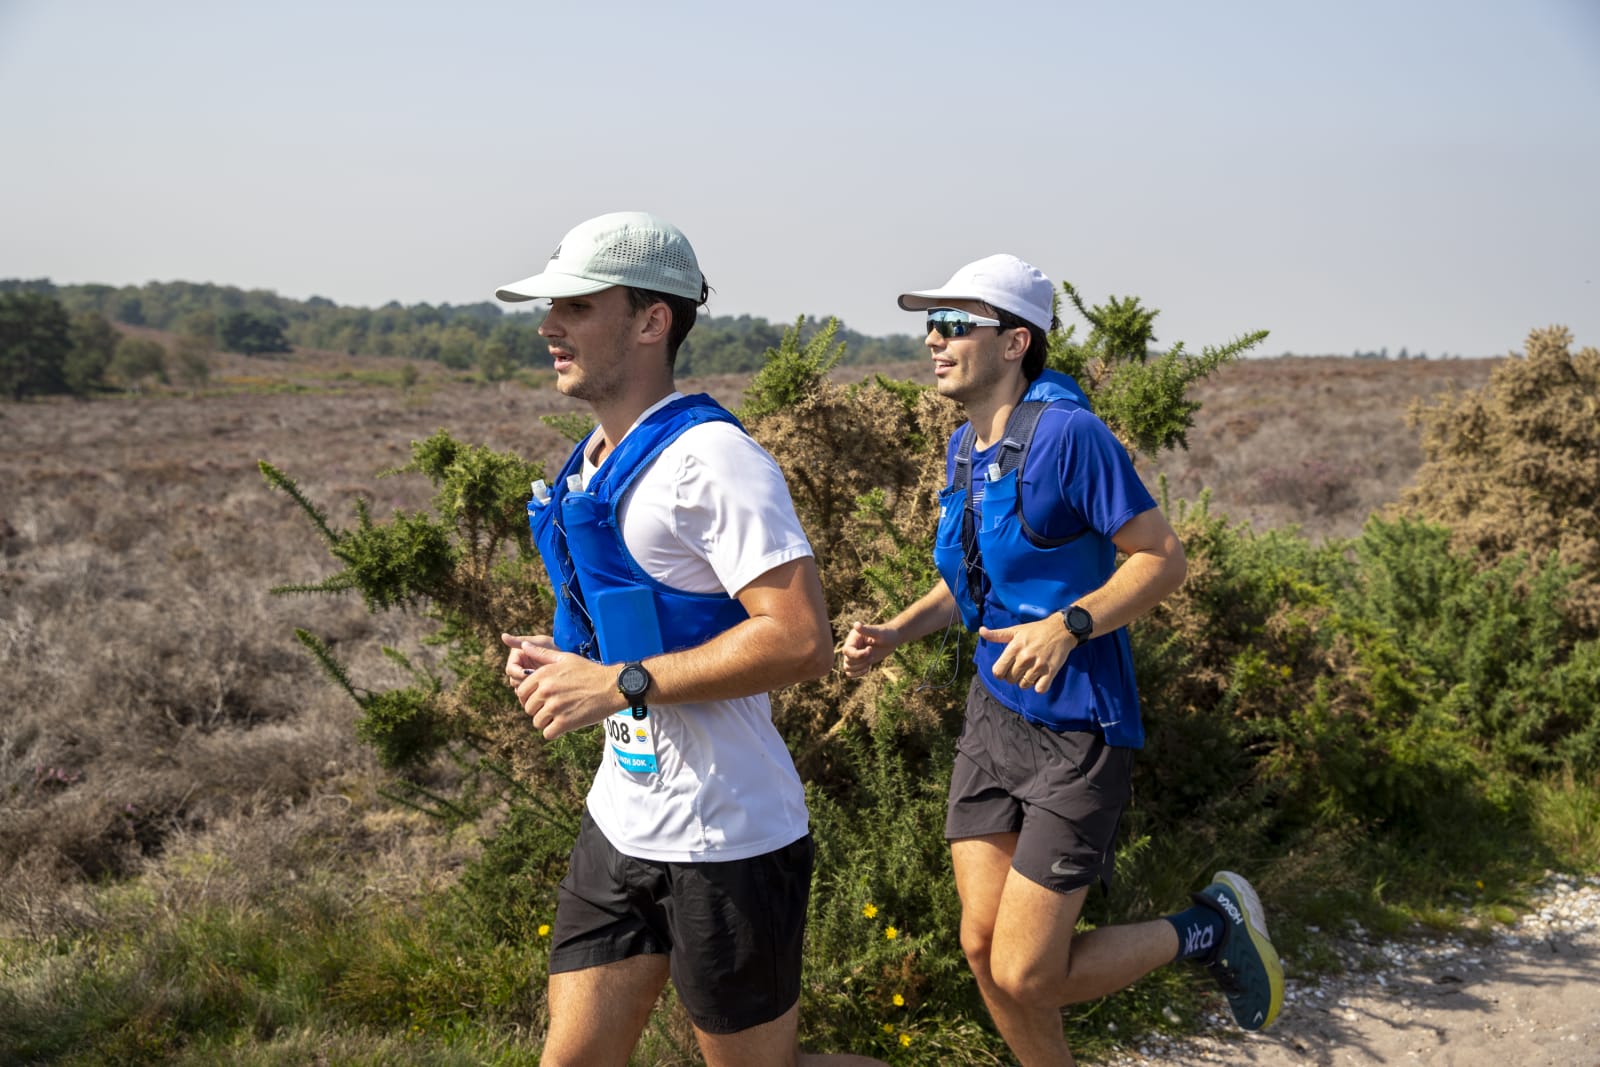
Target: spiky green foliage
793,370
1144,400
573,425
469,566
1383,686
1493,647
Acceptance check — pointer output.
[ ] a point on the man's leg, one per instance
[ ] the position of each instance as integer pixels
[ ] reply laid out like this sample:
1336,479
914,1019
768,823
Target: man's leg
983,871
1038,962
771,1043
738,936
1018,939
608,955
598,1013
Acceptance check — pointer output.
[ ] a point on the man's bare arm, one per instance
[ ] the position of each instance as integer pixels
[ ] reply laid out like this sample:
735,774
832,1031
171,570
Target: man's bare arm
785,640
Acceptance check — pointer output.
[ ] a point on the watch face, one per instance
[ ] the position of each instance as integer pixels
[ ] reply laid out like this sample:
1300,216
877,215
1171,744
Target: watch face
1079,621
633,680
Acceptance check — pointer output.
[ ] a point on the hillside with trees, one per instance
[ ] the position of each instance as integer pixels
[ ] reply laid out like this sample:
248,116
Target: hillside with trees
483,336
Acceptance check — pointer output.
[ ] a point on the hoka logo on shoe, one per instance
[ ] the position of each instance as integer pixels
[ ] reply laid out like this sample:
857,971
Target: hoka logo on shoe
1199,939
1230,907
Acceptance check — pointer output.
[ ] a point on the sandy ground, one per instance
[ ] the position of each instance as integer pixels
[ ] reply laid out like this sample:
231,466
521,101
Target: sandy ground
1528,997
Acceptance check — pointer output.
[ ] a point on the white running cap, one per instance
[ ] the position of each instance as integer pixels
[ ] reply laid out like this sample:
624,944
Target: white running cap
1001,281
623,248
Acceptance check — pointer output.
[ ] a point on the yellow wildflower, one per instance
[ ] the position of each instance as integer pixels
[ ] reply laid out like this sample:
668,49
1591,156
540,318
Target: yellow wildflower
905,1040
888,1028
899,1001
891,933
870,911
544,929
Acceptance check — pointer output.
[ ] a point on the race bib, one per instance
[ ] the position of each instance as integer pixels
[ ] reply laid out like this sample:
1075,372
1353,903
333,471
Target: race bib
633,741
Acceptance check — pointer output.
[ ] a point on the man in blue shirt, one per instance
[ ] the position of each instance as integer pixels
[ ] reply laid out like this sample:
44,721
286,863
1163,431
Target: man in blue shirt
1041,498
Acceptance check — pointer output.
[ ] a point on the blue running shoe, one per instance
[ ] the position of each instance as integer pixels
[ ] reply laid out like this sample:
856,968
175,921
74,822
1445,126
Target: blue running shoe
1245,964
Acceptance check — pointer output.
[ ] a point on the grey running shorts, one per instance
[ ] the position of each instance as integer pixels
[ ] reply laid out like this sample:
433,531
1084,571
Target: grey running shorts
1062,793
732,931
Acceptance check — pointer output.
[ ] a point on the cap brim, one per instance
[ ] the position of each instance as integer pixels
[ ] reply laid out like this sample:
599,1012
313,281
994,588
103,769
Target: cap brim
550,286
930,298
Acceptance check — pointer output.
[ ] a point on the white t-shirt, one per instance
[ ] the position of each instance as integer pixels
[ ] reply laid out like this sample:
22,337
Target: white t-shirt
710,514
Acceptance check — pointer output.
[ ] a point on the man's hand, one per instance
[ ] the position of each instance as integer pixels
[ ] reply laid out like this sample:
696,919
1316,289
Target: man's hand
1034,652
560,691
866,646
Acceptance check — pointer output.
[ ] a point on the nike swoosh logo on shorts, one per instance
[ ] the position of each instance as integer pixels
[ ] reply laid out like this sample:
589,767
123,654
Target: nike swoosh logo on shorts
1057,868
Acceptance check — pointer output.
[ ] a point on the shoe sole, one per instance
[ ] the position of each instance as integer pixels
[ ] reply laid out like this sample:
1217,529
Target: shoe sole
1255,924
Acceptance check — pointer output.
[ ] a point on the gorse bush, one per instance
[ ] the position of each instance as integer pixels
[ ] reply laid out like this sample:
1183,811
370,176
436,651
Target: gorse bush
1515,467
1385,686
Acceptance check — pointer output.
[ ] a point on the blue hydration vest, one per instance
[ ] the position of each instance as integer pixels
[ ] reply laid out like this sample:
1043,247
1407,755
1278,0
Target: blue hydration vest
1002,573
607,607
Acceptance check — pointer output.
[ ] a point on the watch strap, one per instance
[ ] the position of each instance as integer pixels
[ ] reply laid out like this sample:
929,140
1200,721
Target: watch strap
634,693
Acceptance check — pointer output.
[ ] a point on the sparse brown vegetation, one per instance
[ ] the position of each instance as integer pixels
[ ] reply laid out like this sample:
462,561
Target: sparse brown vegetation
1321,442
150,685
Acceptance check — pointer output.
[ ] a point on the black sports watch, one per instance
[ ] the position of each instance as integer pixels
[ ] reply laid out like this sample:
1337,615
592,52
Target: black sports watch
1080,624
632,683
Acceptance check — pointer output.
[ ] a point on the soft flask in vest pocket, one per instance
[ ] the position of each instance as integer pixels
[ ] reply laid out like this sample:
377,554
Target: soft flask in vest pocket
570,629
624,612
607,607
950,558
1027,573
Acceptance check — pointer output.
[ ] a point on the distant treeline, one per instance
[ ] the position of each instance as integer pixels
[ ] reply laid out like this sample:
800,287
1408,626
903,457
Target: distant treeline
1383,353
482,335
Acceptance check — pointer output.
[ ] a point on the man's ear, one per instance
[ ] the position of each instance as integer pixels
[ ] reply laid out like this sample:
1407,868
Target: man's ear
1017,340
655,323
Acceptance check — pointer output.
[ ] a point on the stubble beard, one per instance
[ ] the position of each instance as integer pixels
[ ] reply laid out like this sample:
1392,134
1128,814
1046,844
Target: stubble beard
599,380
978,377
592,391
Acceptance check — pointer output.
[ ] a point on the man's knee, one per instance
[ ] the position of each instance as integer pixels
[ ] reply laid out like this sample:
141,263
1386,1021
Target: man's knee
1027,982
977,942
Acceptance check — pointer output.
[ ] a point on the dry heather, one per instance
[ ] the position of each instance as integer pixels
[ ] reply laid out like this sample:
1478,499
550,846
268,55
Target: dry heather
150,686
1318,442
152,695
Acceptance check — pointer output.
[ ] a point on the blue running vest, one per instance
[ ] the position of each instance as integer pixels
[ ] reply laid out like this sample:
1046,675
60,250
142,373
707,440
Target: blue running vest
607,607
1002,574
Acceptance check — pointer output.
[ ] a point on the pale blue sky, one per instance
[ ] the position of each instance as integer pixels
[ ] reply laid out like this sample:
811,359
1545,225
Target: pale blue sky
1349,175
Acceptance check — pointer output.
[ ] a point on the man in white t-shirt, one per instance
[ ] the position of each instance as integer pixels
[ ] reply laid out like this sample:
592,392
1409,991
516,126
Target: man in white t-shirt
686,590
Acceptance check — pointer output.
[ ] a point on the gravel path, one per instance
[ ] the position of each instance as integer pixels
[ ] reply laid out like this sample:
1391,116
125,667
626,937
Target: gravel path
1528,997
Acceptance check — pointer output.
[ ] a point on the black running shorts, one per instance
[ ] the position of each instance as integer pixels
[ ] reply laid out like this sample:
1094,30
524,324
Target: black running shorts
732,931
1062,793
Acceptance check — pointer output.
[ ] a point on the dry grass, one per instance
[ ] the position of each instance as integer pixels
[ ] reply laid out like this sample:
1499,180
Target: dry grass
150,686
1316,442
154,706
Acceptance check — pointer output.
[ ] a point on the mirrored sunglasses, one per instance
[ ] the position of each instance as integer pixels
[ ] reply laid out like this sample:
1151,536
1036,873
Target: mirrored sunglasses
950,322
